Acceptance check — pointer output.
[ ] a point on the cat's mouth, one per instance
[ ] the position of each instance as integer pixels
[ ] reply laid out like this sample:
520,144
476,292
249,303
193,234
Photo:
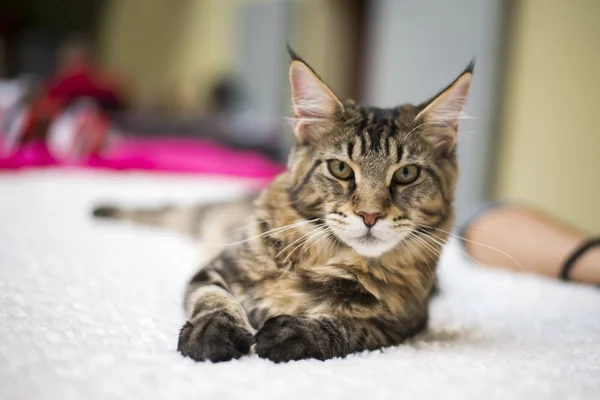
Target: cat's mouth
369,238
369,242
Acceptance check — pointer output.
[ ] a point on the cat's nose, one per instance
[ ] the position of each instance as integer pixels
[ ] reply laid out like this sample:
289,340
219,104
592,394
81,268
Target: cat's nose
370,218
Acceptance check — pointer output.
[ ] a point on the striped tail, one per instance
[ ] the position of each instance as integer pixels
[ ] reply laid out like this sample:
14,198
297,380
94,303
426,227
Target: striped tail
197,221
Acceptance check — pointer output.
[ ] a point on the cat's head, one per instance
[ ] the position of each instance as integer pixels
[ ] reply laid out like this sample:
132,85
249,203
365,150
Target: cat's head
374,176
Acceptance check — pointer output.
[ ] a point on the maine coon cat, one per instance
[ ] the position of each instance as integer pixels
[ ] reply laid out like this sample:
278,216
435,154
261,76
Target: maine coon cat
339,253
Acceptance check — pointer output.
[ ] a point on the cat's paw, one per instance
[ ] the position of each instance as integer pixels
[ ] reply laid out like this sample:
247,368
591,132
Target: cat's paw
214,337
286,338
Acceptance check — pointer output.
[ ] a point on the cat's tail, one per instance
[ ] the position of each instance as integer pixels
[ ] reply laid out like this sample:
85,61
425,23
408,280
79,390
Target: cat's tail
181,219
196,221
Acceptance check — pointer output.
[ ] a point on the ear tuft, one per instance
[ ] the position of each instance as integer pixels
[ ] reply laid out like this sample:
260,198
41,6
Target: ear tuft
293,55
470,67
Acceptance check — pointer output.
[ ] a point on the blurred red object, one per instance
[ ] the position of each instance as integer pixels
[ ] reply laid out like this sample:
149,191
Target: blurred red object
77,78
85,81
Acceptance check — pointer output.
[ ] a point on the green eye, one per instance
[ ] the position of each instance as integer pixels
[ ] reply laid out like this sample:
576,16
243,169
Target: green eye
407,174
340,169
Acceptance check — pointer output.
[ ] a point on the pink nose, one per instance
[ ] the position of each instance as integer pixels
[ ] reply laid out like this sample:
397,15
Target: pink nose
370,218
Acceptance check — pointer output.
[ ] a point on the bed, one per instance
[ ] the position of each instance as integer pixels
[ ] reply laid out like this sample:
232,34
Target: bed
91,310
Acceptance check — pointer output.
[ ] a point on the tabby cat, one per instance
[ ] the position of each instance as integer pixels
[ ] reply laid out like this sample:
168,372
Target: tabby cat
339,253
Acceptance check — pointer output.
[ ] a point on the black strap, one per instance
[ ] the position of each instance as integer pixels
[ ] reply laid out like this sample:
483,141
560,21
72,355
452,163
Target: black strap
570,262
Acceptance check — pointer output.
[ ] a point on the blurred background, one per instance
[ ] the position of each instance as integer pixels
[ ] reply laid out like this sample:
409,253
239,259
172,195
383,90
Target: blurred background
95,77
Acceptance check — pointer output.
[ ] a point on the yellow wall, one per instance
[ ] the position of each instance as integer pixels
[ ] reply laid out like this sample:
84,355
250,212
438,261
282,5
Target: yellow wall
169,51
320,36
138,39
550,139
205,50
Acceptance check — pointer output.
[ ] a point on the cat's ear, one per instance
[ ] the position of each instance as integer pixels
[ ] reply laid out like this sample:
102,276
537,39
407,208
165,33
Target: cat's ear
445,109
315,105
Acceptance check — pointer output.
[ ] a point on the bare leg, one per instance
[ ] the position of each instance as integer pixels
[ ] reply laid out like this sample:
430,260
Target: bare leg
537,243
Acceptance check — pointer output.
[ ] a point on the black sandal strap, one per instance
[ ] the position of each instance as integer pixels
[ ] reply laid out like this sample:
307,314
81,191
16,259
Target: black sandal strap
575,255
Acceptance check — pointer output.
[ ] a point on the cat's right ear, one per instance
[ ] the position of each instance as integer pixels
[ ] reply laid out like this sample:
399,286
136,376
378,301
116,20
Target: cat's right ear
315,105
442,112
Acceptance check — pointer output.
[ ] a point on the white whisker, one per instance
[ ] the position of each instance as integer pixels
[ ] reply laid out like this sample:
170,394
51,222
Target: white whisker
312,234
272,231
479,244
316,228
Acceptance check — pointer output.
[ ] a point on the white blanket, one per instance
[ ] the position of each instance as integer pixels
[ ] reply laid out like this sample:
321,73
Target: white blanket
91,310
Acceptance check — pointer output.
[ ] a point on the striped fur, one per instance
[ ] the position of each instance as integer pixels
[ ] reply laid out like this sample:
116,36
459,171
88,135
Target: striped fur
306,278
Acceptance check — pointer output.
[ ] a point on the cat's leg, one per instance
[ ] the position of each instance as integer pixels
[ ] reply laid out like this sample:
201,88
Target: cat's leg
285,338
217,328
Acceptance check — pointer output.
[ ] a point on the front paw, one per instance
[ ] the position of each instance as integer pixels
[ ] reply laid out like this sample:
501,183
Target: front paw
214,337
285,338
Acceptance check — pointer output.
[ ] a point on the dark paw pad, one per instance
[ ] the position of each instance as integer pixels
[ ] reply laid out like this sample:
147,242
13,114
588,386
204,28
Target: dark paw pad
214,337
285,338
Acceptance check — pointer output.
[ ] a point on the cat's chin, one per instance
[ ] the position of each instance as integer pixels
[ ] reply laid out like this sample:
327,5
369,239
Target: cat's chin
370,243
371,248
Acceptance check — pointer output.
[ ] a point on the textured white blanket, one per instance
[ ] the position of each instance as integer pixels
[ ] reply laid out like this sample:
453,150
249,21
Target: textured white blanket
91,310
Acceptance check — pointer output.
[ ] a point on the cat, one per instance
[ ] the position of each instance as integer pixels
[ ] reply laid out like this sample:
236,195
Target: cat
338,255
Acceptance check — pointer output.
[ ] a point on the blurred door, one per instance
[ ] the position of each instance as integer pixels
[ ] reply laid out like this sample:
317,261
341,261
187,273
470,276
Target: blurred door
262,61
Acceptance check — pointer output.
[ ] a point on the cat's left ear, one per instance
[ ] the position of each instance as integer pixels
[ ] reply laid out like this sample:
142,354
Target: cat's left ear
315,105
445,109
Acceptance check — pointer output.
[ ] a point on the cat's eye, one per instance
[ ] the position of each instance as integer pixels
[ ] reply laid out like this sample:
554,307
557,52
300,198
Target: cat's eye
340,169
407,174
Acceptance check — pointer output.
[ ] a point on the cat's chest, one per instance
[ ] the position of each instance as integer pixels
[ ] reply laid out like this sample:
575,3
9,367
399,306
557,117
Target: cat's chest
319,290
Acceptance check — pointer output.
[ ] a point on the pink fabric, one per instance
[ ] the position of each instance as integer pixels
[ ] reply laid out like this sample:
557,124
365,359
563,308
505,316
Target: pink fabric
160,155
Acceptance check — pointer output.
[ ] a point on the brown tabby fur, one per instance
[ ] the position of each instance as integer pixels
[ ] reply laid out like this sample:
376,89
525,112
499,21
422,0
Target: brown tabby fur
290,285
